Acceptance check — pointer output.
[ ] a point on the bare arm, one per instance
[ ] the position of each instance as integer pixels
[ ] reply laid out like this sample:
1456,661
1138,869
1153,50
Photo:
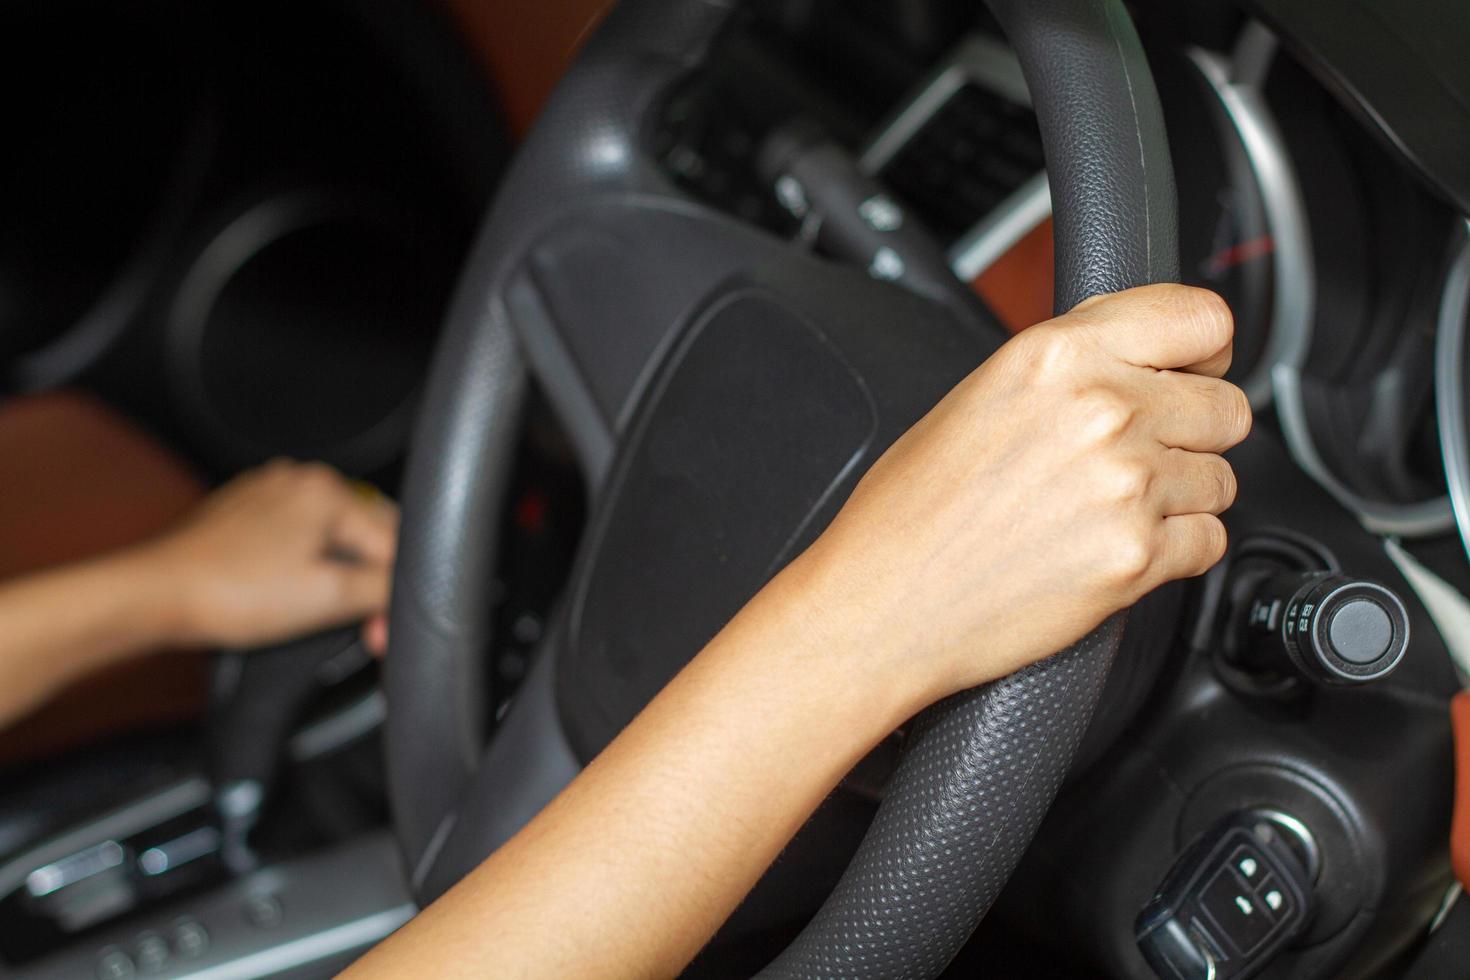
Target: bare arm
1073,472
259,561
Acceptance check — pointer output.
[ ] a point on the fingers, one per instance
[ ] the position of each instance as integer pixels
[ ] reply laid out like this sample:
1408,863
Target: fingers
1191,545
1194,483
375,634
365,526
355,591
1166,326
1197,413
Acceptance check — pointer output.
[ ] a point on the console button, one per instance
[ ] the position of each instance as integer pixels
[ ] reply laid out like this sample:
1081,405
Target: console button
1241,917
1247,864
263,911
114,964
152,950
189,938
1232,901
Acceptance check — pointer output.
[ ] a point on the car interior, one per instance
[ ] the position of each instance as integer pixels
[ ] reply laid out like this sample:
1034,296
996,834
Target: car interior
619,300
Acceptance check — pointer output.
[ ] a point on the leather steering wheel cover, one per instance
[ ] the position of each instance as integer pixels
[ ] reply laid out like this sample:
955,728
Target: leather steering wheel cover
980,769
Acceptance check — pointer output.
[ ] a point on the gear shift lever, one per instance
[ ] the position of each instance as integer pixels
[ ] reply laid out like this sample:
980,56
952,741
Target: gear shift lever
258,696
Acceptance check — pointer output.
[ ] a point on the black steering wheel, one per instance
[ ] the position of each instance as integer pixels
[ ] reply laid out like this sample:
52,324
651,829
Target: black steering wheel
723,392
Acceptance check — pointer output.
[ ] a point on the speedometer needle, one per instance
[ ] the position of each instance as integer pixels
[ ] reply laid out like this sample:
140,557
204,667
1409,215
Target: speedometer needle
1228,258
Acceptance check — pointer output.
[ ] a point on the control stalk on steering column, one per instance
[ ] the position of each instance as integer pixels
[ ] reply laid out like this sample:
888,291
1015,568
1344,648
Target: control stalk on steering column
1331,628
1289,614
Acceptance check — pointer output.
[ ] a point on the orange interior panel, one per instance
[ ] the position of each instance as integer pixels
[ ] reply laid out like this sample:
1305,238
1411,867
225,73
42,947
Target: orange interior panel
78,480
1019,285
525,46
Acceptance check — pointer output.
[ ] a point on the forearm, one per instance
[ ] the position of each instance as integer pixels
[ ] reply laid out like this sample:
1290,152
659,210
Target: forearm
61,624
1068,476
632,868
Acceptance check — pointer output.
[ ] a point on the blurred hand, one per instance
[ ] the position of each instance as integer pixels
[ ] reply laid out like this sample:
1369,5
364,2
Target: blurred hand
281,551
1073,472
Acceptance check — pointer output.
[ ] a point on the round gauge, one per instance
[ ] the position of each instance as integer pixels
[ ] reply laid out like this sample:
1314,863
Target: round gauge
1450,376
1325,273
101,130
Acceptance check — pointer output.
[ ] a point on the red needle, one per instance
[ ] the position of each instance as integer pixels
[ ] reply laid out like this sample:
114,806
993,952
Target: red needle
1240,252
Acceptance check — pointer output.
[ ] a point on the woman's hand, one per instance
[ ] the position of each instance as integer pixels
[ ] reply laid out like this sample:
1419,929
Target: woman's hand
1073,472
282,550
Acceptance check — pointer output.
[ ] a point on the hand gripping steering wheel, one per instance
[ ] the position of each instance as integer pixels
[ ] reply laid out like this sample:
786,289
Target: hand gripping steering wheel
637,308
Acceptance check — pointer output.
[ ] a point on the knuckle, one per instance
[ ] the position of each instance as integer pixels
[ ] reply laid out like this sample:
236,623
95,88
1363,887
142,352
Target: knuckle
1130,557
1048,353
1101,414
1126,480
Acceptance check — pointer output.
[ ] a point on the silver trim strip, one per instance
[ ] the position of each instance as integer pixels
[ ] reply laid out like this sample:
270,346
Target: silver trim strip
1449,387
167,803
977,58
352,722
89,862
310,949
1446,905
1406,520
165,857
998,232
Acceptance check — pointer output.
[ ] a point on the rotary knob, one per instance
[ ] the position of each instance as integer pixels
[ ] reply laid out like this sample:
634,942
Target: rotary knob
1334,629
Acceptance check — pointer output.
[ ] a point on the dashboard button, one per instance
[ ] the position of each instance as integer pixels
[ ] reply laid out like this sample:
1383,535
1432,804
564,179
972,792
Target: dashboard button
114,964
189,938
263,911
1247,864
1236,911
152,950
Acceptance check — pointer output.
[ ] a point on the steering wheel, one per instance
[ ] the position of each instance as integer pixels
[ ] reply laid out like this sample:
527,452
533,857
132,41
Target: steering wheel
723,392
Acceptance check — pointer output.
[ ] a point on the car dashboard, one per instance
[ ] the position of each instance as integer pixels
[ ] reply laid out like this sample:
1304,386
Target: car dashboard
1312,196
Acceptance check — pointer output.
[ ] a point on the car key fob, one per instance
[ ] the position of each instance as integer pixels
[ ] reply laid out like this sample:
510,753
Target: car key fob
1229,905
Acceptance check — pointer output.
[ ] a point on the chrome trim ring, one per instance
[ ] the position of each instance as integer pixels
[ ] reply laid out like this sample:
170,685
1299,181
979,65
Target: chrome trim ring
1449,386
1236,83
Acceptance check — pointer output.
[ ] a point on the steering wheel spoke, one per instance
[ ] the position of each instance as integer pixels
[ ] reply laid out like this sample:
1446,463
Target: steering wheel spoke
599,296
